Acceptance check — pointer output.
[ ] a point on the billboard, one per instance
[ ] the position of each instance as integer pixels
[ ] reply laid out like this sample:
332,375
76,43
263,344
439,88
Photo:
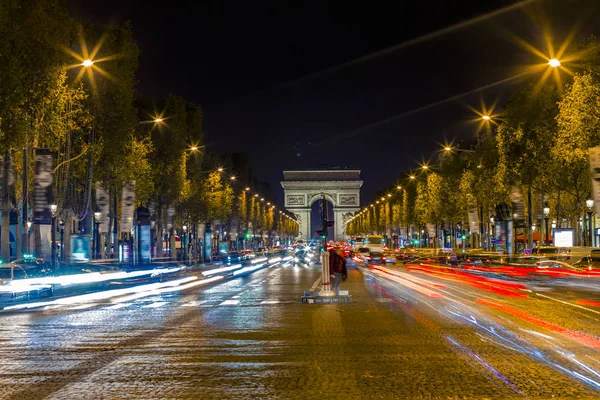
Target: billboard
127,203
80,248
144,243
42,193
102,202
563,237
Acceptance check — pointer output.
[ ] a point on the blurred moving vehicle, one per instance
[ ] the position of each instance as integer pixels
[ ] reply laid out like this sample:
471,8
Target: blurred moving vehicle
364,254
234,257
377,257
389,256
14,276
375,243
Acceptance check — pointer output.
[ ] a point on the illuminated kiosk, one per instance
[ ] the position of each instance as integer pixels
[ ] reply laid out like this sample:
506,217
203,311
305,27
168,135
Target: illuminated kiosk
341,187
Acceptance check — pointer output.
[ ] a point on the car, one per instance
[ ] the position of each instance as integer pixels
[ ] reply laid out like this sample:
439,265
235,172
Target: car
14,276
234,257
32,267
377,257
389,257
364,254
247,254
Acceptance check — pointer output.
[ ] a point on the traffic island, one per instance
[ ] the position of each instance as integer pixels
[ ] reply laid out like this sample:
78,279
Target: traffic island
313,297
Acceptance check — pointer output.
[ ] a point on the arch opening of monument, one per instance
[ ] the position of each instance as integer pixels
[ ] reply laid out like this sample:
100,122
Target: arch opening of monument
339,186
316,210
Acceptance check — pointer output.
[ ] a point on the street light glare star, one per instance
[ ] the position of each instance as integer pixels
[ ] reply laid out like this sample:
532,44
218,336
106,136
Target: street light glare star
486,117
87,63
193,148
447,148
158,120
554,62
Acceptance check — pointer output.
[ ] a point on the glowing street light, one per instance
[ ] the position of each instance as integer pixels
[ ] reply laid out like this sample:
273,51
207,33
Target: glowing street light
193,148
399,187
448,148
87,63
233,178
486,118
554,63
413,177
247,189
157,120
220,169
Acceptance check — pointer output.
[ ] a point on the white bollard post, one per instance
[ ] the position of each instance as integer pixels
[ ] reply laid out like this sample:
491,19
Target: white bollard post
326,289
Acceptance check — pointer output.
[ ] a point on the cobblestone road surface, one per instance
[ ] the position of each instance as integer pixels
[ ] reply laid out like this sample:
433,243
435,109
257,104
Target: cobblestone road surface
250,338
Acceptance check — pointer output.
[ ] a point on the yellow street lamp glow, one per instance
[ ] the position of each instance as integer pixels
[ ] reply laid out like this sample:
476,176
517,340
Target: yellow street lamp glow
232,178
383,198
193,148
247,189
425,167
486,118
87,63
399,187
256,195
447,148
158,120
389,195
554,63
220,169
412,177
262,199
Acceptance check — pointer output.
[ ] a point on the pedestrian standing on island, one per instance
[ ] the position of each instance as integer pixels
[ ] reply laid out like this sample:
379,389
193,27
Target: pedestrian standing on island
337,269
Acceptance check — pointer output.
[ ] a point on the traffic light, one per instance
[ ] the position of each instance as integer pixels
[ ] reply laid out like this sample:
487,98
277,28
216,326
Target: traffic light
247,235
322,233
463,237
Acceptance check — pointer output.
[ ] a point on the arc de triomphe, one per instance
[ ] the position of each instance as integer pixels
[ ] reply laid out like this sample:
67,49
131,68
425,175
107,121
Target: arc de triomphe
301,188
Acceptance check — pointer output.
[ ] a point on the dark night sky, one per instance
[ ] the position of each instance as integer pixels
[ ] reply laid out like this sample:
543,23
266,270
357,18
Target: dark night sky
232,57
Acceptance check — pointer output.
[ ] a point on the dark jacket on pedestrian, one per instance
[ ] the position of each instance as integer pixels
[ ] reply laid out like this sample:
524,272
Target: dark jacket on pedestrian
337,263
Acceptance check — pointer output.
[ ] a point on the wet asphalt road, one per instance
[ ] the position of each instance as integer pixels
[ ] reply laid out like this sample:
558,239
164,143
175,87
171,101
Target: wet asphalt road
251,338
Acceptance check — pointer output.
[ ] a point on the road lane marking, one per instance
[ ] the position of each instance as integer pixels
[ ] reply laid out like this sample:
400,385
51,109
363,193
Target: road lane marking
230,303
120,305
235,297
194,303
83,306
155,304
270,302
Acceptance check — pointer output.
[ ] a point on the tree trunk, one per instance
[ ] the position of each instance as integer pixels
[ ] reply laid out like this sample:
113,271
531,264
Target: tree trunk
159,228
6,233
529,218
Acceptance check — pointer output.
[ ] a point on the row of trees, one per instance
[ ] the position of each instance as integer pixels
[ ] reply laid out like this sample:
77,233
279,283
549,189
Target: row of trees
101,129
532,155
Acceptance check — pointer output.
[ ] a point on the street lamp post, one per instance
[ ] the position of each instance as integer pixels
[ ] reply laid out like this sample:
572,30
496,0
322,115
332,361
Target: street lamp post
184,242
493,234
590,210
546,215
53,210
96,240
61,226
